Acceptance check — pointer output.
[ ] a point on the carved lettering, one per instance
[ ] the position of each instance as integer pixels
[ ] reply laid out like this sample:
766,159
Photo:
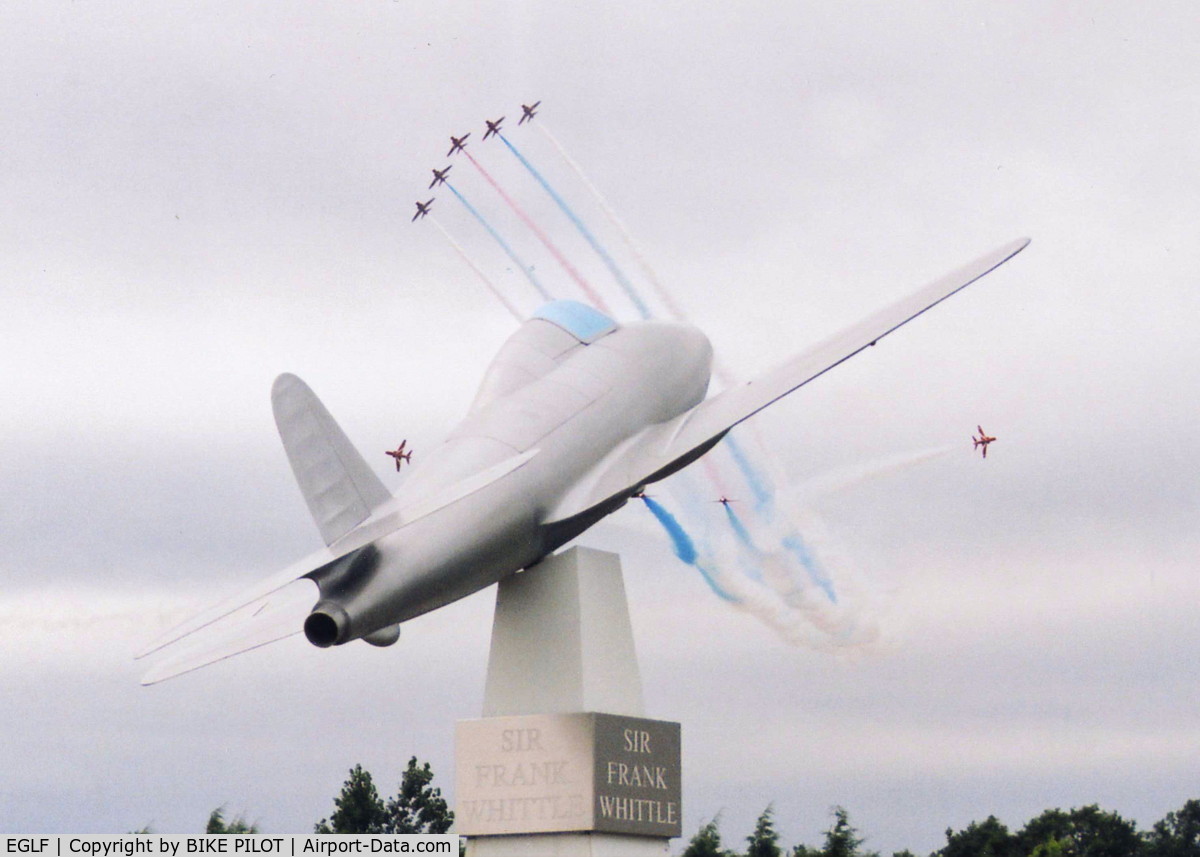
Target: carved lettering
637,741
543,808
521,741
636,776
551,773
641,810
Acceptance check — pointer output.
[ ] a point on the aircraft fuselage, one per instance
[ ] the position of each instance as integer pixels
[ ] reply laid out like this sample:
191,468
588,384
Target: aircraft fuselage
565,422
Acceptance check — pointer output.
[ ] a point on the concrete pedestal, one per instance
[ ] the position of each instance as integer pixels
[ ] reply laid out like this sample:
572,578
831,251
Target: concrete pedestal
545,774
561,640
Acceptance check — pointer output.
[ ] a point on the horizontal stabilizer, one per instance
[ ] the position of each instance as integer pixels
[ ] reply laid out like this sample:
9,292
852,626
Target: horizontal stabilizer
661,449
255,593
253,598
339,487
280,614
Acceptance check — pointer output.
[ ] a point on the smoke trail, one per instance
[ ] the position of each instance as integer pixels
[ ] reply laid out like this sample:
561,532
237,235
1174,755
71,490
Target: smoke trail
752,556
662,292
836,481
592,295
684,548
604,255
672,308
503,244
765,503
759,484
682,542
739,528
774,596
483,277
796,546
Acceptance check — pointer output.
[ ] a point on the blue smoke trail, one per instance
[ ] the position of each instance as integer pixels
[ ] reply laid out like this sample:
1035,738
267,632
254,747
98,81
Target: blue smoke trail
739,528
799,549
764,498
604,255
759,484
685,549
680,540
754,568
503,244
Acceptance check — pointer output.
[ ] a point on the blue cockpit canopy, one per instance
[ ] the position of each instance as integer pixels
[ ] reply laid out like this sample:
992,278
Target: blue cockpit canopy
580,320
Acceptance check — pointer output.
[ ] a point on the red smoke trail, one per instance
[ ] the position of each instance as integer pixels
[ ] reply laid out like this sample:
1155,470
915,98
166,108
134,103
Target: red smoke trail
673,309
491,286
758,481
592,295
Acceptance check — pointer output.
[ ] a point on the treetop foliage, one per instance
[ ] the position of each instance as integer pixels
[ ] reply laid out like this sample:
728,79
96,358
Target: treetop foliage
707,841
417,808
1087,831
764,841
218,824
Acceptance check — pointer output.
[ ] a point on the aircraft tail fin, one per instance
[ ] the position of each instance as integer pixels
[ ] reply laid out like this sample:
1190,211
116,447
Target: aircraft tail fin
339,487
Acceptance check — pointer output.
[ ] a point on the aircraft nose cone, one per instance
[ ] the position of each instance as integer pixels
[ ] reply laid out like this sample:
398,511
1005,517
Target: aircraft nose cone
679,359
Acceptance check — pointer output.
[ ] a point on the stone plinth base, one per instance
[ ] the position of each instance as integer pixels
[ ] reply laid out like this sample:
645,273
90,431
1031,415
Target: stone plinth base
563,764
566,845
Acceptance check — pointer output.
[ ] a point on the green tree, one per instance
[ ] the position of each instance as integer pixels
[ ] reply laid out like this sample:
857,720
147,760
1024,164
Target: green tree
418,808
987,839
841,840
1177,835
1085,832
1050,848
707,841
358,809
218,824
764,841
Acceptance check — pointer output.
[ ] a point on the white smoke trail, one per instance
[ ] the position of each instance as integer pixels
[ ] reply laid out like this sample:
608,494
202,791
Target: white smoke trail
795,592
478,273
672,308
836,481
80,627
778,593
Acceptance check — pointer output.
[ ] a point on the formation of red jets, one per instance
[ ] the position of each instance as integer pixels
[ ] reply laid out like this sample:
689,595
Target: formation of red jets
457,144
528,111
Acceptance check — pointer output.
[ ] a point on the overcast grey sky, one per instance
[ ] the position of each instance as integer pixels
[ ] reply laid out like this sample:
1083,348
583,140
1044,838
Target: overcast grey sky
200,196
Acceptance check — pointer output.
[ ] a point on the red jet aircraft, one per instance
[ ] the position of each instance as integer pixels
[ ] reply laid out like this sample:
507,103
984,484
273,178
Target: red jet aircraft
983,440
399,454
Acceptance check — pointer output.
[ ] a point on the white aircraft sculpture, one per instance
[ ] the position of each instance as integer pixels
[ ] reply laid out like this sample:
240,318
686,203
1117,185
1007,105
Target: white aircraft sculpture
575,415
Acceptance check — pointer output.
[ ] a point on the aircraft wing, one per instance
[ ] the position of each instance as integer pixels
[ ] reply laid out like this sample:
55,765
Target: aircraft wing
660,450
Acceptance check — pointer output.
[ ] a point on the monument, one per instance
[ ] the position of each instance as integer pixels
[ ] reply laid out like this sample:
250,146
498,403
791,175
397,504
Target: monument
563,761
